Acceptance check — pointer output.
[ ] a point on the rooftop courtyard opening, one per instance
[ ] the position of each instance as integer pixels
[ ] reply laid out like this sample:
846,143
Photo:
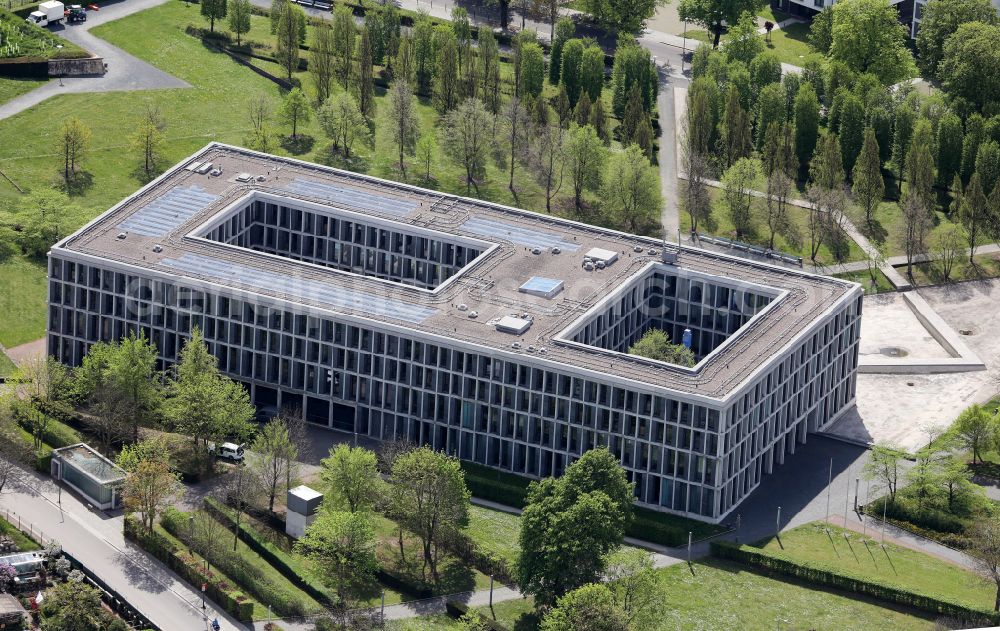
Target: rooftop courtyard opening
343,240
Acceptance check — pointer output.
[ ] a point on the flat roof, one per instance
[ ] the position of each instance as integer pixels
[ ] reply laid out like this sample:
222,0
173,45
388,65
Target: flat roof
159,229
86,459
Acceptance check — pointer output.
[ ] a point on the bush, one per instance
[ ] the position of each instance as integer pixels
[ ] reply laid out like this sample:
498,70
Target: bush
458,610
820,574
190,570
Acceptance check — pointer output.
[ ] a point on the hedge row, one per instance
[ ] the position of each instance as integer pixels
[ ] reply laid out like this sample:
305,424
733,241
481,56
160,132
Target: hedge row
240,570
278,559
190,570
820,574
458,609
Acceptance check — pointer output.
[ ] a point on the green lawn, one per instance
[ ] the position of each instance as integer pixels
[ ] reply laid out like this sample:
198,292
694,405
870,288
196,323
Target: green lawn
905,568
7,367
790,44
21,540
795,241
882,283
495,532
21,39
724,595
22,301
930,273
11,88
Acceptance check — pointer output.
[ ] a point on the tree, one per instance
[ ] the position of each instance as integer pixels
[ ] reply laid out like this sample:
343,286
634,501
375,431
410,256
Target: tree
39,220
976,430
974,213
149,449
914,225
570,524
402,121
489,71
532,69
74,140
213,10
295,110
975,133
426,152
949,144
924,478
203,403
883,468
365,78
967,56
656,344
344,33
634,114
287,35
734,130
15,454
429,494
564,30
404,64
239,18
351,477
76,606
259,112
744,42
446,78
867,36
826,194
956,478
779,167
148,138
273,459
739,183
591,73
869,187
148,488
806,124
128,369
906,118
852,130
275,13
821,30
466,139
423,53
633,67
462,30
384,23
343,123
985,550
586,157
546,158
342,545
714,14
591,607
321,61
516,134
988,165
939,20
948,246
631,191
599,121
572,61
918,201
635,585
620,15
770,110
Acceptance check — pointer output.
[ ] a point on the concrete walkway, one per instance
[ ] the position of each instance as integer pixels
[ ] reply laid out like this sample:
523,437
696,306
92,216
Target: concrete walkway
125,72
95,538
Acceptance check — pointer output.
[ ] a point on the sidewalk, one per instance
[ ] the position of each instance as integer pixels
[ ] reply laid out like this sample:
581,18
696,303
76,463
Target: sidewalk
96,540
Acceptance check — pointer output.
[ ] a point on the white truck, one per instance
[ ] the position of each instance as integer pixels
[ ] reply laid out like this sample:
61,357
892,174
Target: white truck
48,13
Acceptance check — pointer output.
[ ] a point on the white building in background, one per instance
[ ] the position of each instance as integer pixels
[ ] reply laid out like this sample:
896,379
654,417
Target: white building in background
492,333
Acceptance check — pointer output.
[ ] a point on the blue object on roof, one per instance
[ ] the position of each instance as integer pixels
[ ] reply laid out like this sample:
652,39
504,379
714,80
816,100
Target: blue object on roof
517,234
302,288
351,198
541,286
168,212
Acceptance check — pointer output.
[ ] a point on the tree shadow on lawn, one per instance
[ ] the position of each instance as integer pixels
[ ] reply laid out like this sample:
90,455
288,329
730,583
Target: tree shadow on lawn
334,158
297,145
78,184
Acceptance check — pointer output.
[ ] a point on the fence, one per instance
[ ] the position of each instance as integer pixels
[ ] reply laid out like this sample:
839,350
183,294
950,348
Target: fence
115,601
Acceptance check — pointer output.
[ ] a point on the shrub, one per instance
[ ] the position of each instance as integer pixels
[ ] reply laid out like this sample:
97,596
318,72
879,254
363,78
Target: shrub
457,610
820,574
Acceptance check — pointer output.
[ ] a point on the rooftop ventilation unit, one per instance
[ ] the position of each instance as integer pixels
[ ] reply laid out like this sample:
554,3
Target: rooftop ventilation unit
122,235
463,307
473,314
536,250
600,255
513,324
157,248
244,177
556,250
204,168
637,248
669,257
540,286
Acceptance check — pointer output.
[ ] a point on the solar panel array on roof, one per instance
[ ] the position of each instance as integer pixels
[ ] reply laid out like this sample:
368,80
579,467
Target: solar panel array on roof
168,211
541,286
517,234
352,198
332,295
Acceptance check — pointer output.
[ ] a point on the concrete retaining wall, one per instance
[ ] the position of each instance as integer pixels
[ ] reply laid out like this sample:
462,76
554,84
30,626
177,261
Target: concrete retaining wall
90,66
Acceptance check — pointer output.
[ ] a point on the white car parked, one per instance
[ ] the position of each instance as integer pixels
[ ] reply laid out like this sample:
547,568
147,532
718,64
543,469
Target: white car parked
229,451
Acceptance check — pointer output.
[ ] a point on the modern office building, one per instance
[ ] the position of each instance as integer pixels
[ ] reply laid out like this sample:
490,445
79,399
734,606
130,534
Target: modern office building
493,333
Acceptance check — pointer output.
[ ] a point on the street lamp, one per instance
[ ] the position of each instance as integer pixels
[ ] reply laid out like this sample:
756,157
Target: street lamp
684,42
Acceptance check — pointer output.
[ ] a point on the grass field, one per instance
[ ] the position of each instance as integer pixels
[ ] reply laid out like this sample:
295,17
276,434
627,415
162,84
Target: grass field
721,225
22,301
903,567
723,595
930,273
882,283
495,532
22,541
790,44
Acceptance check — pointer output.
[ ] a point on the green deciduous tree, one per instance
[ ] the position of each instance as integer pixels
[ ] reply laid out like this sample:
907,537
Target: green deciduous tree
213,10
287,36
591,607
239,18
343,123
592,73
744,42
570,524
939,21
564,30
821,30
770,111
149,487
883,468
585,160
949,144
365,80
342,545
656,344
76,606
430,496
295,110
852,130
74,141
631,191
572,59
984,536
739,183
423,52
351,477
867,36
735,141
532,69
39,220
902,134
976,430
321,61
780,165
869,186
974,213
988,165
967,67
488,72
806,124
401,120
273,461
384,23
622,15
344,34
446,77
633,66
714,14
466,140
